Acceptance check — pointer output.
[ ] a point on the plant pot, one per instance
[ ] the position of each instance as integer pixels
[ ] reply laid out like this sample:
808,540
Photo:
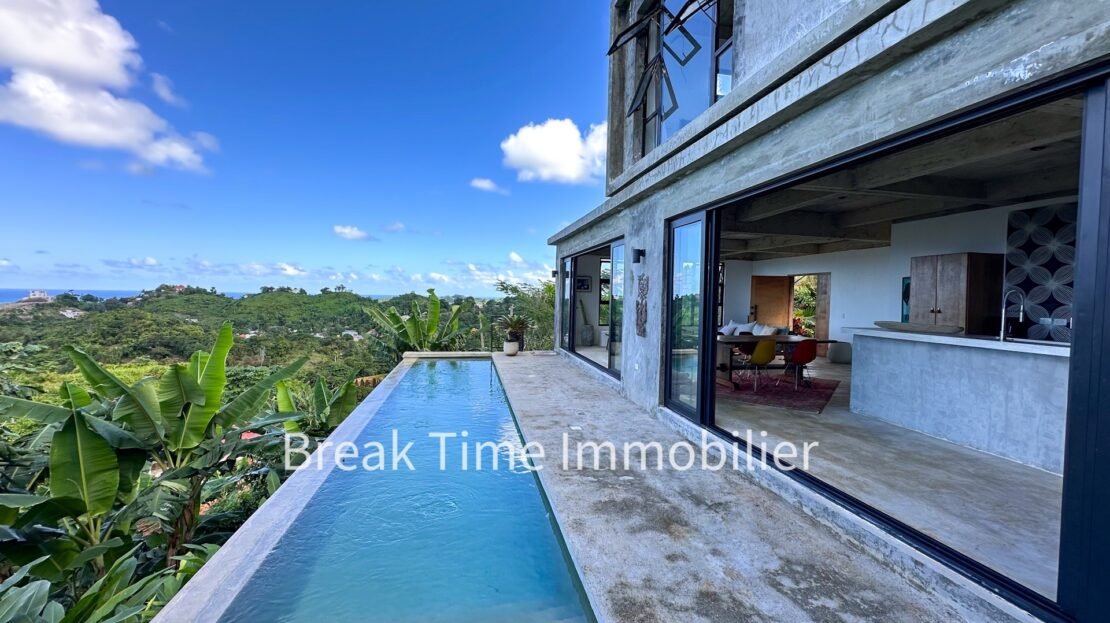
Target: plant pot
510,348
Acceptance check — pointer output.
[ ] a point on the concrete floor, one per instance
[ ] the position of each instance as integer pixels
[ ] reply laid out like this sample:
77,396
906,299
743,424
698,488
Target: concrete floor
596,354
999,512
693,546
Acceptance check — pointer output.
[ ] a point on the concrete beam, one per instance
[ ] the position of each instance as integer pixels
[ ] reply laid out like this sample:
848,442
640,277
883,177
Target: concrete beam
925,187
779,203
1007,136
799,223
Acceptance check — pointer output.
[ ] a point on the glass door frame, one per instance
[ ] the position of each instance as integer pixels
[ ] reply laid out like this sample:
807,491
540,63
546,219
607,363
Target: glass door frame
572,336
1083,592
706,335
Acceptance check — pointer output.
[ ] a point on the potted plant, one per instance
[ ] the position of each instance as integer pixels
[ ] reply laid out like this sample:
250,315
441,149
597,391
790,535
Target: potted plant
514,326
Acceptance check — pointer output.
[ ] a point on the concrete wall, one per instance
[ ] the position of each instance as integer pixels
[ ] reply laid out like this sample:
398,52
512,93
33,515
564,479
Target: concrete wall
769,27
738,290
1006,403
926,60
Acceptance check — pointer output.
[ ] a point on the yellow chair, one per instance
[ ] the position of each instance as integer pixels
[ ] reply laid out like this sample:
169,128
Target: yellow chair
762,356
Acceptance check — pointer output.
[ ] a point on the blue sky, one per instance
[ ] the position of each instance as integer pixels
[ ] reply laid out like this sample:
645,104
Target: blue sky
388,146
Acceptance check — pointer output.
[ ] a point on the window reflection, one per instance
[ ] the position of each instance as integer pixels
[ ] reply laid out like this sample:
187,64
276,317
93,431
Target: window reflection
616,307
564,320
688,53
685,312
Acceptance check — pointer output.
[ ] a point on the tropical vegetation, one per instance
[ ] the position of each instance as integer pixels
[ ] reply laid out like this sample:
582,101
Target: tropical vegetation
126,462
104,502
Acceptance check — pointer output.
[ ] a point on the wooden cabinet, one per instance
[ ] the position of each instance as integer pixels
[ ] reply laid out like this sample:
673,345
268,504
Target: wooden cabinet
960,289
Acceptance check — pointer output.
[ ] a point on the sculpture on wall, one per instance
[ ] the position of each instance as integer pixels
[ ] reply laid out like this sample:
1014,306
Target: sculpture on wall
641,305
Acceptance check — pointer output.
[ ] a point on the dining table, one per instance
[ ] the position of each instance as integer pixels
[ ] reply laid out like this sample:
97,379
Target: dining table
783,343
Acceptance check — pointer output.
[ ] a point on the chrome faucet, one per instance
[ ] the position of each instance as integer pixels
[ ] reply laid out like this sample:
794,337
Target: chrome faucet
1021,311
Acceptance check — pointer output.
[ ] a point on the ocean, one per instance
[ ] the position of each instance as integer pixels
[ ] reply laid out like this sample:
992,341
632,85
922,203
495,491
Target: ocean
11,295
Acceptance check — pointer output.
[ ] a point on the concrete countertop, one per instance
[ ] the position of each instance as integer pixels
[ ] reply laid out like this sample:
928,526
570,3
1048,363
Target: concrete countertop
1051,349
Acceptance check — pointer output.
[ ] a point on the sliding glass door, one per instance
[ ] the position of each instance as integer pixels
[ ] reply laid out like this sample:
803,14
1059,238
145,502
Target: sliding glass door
684,313
567,311
593,303
616,306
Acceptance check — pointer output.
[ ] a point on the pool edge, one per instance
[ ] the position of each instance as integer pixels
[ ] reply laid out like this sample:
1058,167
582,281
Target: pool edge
212,590
591,597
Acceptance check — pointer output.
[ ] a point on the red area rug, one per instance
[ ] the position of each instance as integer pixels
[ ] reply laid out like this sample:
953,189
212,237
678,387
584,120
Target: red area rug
812,397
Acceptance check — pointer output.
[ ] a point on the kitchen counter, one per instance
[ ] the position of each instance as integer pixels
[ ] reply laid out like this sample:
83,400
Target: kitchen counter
1052,349
1006,398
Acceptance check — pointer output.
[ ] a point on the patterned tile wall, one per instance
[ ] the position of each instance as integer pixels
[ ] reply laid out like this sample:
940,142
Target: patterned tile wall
1040,262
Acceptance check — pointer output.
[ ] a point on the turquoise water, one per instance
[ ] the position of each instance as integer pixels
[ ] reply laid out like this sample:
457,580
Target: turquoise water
424,545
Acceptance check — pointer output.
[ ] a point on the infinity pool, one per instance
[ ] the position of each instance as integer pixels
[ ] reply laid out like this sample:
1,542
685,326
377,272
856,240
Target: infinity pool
429,544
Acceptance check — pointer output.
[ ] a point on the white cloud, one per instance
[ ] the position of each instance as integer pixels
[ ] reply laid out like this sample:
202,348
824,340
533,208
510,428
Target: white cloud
147,262
164,26
441,278
290,270
416,278
555,151
396,227
163,88
515,257
353,276
349,232
374,277
488,185
5,263
66,58
70,39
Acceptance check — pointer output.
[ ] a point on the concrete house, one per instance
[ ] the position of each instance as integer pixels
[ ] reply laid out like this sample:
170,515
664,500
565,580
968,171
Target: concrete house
781,171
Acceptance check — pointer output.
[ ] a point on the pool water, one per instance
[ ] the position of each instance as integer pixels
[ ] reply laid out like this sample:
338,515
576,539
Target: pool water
424,545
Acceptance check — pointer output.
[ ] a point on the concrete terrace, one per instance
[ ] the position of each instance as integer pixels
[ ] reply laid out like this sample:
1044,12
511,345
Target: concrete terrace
669,545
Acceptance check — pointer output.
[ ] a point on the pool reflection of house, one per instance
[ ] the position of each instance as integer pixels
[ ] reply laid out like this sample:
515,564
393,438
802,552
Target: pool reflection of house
937,166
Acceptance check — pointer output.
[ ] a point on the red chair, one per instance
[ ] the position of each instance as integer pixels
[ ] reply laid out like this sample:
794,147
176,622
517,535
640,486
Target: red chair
798,361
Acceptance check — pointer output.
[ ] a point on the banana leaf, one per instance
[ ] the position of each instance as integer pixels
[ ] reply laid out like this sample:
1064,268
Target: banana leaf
251,401
83,465
137,405
17,407
189,431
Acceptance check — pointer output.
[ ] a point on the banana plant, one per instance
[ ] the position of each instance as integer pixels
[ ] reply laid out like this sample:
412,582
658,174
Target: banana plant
325,410
420,330
106,437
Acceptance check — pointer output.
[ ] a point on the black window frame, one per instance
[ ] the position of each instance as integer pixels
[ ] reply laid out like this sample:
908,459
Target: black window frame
1083,584
709,229
572,335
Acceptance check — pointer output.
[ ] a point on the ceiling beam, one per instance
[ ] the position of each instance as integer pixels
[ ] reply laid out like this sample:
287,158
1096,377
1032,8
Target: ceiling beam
778,203
925,187
799,223
875,234
1007,136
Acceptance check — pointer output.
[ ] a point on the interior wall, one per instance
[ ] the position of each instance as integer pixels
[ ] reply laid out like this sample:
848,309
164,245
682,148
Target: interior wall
588,265
738,290
867,285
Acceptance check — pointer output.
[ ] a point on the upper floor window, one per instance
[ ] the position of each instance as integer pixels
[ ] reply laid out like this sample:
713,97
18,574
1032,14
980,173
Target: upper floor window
685,63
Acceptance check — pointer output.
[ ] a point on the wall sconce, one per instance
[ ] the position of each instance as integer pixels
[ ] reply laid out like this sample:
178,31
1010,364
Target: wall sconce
554,274
637,255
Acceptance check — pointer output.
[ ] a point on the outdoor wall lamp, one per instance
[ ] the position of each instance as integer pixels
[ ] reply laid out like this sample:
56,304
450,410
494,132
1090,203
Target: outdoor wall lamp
637,255
554,274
